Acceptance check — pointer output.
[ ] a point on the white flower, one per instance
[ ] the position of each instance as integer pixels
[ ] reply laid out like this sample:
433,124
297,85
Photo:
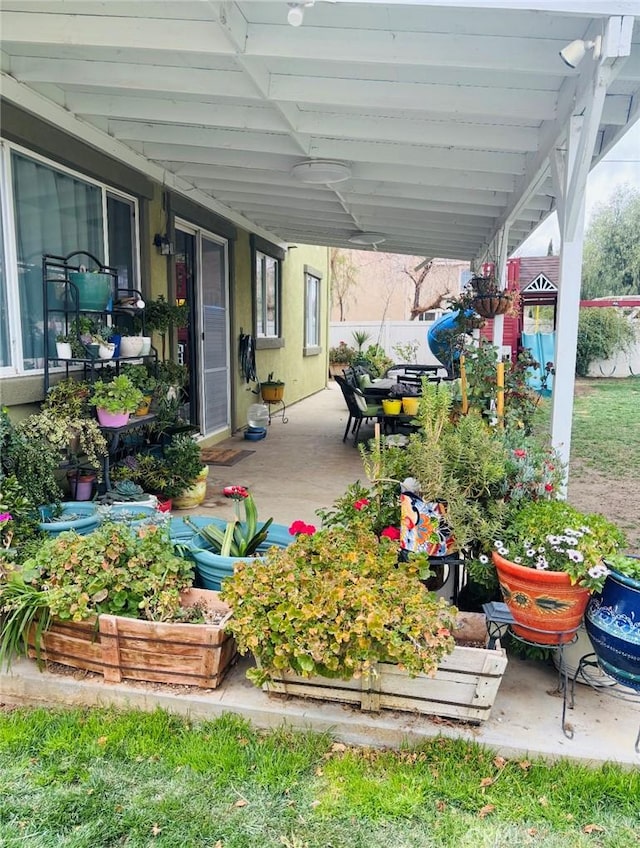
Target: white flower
503,551
531,552
553,540
574,556
541,562
498,543
569,531
517,559
598,571
541,549
484,559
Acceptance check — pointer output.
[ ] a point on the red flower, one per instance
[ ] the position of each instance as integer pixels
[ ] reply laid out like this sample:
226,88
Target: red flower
361,504
548,487
391,533
299,528
238,493
519,452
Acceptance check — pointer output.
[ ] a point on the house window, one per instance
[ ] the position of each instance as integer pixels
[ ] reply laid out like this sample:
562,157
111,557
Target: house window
431,315
311,312
58,212
267,286
5,349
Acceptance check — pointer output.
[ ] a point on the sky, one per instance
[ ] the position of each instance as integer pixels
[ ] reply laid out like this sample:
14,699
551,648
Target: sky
621,166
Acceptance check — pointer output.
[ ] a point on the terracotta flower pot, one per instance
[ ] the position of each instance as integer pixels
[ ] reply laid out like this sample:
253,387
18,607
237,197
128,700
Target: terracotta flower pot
547,609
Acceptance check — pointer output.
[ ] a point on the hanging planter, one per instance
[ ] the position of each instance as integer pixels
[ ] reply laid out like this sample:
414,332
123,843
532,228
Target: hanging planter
490,305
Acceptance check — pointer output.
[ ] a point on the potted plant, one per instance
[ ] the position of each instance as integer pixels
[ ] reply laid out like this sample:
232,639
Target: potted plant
217,545
94,288
334,616
549,558
32,463
68,399
612,620
142,379
63,346
115,400
340,357
272,390
125,609
183,454
164,317
489,299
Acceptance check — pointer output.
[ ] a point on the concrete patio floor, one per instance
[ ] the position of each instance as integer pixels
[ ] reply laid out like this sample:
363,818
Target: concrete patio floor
300,466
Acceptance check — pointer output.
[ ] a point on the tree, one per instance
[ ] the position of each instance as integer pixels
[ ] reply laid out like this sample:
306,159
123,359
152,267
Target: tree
343,278
418,274
611,264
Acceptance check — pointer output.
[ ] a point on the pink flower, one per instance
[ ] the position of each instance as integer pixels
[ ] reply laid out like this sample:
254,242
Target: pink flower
519,453
391,533
237,493
361,504
5,516
299,528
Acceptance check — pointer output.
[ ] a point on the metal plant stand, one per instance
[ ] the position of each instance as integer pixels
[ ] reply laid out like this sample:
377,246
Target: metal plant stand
280,410
614,690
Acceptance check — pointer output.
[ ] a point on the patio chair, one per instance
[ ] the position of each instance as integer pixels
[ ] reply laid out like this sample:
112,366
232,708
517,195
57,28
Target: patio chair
359,409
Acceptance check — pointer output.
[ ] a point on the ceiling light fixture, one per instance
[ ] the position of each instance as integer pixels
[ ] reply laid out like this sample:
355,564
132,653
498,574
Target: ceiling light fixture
576,50
321,171
295,15
367,239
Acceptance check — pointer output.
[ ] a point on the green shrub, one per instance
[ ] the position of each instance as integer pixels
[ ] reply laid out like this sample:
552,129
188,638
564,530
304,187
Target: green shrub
602,332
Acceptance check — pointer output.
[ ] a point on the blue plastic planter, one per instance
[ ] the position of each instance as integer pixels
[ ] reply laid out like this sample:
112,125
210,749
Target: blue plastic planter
212,568
85,521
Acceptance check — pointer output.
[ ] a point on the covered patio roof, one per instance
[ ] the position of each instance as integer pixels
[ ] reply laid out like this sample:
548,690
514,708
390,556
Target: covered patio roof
447,115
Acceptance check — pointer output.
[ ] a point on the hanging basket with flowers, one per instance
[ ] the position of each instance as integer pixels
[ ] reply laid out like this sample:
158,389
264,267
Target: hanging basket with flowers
489,300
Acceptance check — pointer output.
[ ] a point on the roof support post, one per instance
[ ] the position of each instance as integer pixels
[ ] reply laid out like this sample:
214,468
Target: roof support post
501,276
568,298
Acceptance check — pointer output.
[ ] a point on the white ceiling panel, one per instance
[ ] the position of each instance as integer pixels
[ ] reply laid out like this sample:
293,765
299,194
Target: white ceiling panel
446,114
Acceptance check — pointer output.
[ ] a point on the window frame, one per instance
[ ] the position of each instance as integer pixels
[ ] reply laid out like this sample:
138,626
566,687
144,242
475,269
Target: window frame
16,368
261,247
312,347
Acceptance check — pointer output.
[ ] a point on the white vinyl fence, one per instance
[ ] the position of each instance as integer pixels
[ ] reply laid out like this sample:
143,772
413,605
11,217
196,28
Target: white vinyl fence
387,335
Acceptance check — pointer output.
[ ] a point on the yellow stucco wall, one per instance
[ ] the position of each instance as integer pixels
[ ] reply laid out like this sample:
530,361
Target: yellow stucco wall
303,375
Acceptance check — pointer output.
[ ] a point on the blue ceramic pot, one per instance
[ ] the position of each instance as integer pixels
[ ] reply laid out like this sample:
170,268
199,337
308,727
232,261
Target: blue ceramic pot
80,516
612,621
212,568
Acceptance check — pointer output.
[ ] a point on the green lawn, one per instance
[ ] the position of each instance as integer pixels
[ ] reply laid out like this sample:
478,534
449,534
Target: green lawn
606,426
101,778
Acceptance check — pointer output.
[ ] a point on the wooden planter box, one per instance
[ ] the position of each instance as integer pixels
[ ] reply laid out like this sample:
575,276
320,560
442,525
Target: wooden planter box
465,686
122,648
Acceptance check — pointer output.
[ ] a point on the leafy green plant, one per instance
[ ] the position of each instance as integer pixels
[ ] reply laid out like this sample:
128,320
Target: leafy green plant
554,536
118,395
238,538
334,604
602,333
271,381
342,353
69,398
78,440
31,461
407,351
629,566
164,317
374,359
360,337
141,377
182,454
